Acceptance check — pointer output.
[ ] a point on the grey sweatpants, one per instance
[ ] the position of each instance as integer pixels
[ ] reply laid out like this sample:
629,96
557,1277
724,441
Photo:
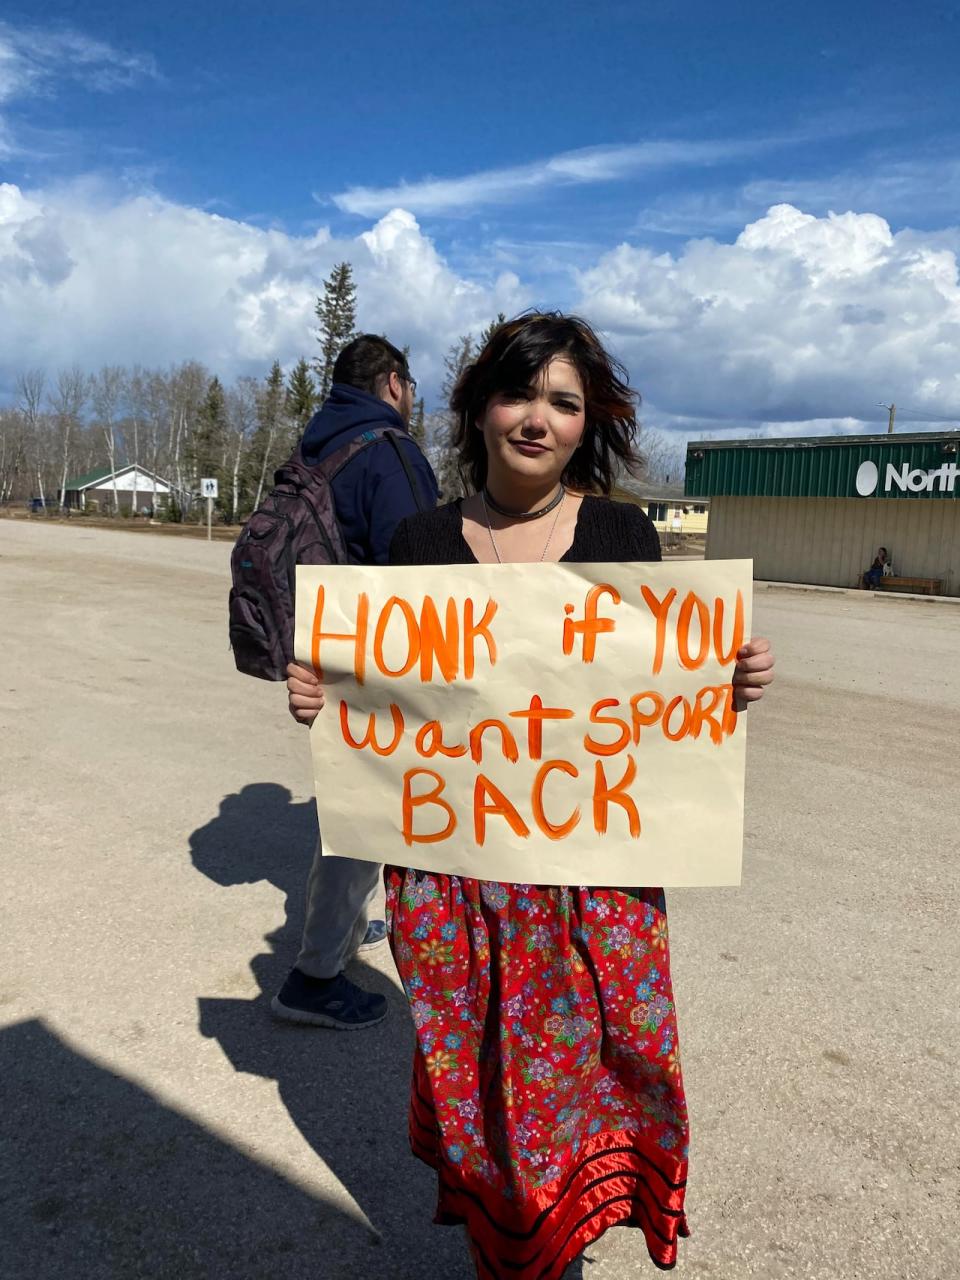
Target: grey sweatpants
339,894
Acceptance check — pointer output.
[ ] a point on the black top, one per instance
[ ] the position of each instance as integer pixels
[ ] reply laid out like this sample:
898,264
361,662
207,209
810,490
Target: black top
606,532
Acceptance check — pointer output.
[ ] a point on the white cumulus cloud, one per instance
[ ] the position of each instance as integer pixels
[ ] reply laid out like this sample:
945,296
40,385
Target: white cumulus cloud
800,318
93,277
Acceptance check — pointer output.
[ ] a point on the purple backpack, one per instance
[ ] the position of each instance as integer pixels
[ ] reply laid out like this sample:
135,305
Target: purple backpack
296,524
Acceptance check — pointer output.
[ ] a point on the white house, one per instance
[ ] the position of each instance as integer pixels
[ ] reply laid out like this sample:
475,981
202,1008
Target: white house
132,487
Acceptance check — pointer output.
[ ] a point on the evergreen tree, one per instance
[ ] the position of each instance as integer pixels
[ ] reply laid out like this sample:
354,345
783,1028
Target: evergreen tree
447,469
418,426
301,399
336,310
208,442
490,330
455,361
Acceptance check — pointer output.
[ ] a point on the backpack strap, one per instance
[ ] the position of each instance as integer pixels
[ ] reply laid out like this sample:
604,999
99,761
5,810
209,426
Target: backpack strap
346,454
392,436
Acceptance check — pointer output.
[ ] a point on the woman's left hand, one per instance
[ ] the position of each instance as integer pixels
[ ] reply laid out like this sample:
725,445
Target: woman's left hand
754,671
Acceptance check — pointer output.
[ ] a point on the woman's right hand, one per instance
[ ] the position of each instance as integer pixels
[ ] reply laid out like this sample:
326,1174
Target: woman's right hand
304,693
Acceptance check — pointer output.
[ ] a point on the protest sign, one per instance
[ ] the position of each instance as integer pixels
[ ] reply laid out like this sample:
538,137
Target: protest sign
535,724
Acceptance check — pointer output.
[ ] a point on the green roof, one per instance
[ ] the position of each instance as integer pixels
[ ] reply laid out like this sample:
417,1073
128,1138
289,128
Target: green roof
81,482
900,465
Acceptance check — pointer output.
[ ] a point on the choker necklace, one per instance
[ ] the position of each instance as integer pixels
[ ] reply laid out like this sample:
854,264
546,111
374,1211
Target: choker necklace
490,501
553,524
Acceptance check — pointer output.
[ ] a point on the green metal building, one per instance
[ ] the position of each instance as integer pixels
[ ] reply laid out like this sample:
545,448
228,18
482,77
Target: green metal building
814,509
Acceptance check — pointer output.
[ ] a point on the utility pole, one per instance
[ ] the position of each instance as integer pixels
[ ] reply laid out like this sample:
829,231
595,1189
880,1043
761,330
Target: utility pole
892,411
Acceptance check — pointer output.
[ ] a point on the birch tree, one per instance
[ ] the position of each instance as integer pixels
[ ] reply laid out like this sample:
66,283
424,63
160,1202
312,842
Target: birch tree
188,384
12,450
106,393
664,458
242,417
137,407
30,393
157,409
268,441
66,405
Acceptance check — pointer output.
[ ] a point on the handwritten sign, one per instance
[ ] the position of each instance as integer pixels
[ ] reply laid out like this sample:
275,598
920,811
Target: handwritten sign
536,724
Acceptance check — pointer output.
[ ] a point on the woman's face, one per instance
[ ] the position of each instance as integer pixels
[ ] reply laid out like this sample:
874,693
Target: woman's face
532,432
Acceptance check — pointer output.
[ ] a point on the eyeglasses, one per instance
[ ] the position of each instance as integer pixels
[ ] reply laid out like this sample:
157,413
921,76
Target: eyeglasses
413,384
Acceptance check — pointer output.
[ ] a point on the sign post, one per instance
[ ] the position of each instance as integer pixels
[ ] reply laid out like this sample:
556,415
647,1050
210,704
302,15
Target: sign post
208,490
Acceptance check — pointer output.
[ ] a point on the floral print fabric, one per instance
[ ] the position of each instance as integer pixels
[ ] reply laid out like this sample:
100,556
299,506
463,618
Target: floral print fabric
546,1040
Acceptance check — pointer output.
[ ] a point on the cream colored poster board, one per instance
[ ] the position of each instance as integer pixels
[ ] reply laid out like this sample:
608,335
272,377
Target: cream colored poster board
539,724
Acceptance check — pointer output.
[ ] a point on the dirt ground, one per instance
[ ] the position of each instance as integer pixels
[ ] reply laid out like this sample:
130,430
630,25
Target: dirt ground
156,827
119,524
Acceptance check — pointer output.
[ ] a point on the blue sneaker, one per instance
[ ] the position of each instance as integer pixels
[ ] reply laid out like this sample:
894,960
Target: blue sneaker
375,936
328,1002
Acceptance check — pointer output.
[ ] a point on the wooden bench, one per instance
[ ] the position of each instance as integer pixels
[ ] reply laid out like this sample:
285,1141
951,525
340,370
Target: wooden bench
920,586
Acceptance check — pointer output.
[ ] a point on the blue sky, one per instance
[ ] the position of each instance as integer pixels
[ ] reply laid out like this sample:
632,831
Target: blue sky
538,157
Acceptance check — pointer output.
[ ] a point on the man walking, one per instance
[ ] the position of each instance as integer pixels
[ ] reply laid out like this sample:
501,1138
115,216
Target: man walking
378,487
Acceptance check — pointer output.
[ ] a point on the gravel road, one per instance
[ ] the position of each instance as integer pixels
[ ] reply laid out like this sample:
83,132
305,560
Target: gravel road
156,824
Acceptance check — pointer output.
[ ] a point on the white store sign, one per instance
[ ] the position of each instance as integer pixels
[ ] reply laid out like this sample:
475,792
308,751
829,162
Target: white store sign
906,479
208,489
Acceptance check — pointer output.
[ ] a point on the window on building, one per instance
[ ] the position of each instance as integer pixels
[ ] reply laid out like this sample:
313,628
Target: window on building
657,510
699,511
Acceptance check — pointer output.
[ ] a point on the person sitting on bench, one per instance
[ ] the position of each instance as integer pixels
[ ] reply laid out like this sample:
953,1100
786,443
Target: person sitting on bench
876,571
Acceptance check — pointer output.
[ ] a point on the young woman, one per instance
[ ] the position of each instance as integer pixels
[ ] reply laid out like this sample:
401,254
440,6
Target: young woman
547,1092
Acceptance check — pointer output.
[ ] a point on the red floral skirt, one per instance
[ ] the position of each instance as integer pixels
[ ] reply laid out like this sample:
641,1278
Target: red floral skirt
546,1091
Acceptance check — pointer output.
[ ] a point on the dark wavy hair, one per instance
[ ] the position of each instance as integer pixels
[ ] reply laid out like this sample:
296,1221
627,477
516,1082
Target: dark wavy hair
513,359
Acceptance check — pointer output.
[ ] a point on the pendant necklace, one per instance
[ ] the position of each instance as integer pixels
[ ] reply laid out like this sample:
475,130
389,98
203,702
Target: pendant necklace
556,502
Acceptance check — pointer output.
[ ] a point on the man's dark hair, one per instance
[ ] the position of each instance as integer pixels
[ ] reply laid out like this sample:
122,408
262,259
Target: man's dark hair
513,359
367,362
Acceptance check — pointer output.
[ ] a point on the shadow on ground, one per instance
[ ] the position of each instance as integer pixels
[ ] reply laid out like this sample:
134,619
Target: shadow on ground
345,1091
100,1181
